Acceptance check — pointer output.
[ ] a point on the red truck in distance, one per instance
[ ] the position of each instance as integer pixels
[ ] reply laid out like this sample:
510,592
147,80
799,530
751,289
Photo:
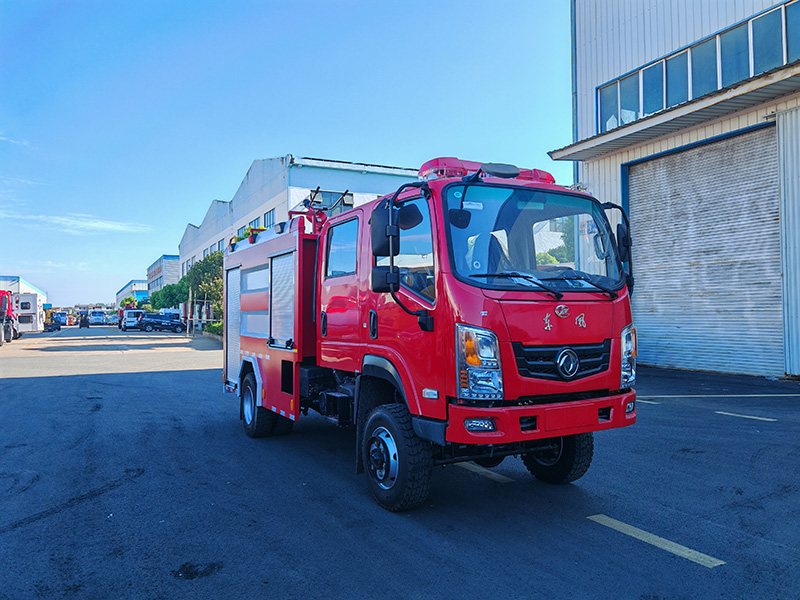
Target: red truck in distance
480,313
9,323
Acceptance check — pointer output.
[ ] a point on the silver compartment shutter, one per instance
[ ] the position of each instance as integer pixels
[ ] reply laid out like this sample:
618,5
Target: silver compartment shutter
707,257
282,297
232,315
789,152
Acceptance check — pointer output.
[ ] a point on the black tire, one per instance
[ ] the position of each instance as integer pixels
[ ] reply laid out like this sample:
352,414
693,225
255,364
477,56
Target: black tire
398,464
567,462
177,329
257,420
148,328
124,328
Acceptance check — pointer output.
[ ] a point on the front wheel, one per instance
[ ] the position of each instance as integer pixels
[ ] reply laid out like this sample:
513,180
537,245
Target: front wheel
178,329
565,460
398,464
148,328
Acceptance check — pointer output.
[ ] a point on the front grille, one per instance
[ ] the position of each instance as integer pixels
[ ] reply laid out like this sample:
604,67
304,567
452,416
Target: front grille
539,362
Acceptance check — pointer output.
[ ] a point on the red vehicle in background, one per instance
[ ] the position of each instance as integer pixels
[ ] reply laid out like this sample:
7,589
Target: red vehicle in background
480,313
9,324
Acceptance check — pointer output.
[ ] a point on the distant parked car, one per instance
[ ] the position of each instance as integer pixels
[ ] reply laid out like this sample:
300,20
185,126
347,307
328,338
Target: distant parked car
54,324
84,322
112,319
154,322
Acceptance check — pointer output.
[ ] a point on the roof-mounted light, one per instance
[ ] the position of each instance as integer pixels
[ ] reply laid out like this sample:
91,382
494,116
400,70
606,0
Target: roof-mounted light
443,167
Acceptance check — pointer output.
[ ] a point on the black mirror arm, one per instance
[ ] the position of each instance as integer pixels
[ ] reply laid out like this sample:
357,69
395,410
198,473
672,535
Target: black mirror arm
610,206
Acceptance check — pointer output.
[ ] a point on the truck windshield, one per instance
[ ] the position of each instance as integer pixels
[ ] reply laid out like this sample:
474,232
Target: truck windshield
525,236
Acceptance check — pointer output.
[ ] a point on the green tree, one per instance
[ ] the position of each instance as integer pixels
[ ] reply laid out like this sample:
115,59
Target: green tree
127,301
205,280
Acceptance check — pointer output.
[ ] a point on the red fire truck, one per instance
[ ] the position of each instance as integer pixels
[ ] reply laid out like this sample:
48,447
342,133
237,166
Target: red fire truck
479,313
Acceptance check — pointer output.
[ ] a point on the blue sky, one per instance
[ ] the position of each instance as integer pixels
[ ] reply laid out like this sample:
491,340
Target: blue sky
120,121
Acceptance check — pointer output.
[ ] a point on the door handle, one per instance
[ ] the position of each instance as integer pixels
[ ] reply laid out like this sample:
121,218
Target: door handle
323,324
373,324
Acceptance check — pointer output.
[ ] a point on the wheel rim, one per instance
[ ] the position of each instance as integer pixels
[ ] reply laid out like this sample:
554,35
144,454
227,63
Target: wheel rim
382,458
550,457
248,405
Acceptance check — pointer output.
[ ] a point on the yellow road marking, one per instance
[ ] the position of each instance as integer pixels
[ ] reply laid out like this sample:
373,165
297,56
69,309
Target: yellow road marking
719,412
485,472
658,542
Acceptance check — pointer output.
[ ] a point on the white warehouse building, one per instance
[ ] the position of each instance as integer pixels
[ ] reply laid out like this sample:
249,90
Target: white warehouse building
274,186
688,115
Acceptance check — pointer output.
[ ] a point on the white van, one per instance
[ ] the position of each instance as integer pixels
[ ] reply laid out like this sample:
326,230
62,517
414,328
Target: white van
97,317
130,318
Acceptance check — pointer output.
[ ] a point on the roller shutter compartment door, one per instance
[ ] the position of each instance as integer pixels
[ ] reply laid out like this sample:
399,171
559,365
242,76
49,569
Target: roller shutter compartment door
707,257
232,316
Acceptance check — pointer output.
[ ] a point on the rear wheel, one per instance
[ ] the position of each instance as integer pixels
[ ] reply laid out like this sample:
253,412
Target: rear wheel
258,421
567,459
398,464
148,328
177,329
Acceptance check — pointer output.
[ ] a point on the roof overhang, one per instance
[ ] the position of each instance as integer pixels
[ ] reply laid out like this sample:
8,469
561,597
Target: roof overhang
349,166
752,92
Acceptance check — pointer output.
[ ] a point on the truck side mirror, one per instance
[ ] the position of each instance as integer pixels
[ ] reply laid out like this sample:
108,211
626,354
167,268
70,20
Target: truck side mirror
385,279
380,232
623,243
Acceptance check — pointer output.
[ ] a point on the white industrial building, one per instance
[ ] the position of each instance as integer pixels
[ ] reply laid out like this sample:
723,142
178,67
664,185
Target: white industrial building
274,186
17,285
165,270
688,114
137,288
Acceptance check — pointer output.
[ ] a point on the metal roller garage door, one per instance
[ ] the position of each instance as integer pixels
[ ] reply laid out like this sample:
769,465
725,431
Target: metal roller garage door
707,257
232,314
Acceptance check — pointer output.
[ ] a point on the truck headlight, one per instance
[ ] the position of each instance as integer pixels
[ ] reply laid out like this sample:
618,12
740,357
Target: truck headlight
629,352
479,374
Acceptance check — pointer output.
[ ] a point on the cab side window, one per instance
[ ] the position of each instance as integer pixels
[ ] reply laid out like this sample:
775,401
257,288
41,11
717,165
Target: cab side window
341,250
415,259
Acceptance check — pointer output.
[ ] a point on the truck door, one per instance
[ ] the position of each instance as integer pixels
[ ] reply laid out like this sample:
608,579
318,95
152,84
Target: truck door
339,319
396,335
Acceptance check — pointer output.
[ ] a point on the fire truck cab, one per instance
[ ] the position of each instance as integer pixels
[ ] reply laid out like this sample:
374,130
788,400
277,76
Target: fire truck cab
479,313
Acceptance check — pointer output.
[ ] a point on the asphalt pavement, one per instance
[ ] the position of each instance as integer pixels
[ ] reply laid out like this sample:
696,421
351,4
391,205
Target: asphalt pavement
125,473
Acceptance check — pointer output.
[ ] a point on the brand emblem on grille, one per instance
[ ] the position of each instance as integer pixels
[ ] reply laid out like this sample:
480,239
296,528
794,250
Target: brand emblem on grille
547,325
562,310
567,363
580,321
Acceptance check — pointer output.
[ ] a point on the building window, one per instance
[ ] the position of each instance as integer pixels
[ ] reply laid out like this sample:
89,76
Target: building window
678,79
220,246
608,108
720,61
734,49
327,199
269,219
793,30
629,98
341,255
240,233
704,68
255,223
653,88
767,42
205,252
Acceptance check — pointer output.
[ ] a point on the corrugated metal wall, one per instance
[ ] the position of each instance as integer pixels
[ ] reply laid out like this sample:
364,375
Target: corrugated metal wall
617,36
707,257
789,157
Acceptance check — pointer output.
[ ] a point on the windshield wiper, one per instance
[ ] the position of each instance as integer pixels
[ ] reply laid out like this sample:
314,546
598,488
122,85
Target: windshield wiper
511,274
573,274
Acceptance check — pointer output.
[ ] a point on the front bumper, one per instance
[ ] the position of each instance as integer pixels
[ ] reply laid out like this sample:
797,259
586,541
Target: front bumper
521,423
